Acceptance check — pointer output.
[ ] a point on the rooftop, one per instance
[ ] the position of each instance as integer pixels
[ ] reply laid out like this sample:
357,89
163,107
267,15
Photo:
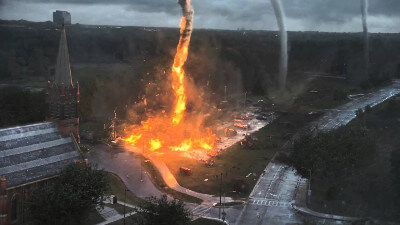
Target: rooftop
34,152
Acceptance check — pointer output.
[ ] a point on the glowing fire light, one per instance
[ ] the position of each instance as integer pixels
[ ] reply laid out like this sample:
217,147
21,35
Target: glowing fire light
132,139
178,75
155,144
175,132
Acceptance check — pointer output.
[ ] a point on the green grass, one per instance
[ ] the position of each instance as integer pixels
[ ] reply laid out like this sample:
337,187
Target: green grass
204,221
92,217
118,189
237,163
120,208
157,180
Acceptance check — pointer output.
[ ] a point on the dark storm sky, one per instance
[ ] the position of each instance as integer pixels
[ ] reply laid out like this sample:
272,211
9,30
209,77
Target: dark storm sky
304,15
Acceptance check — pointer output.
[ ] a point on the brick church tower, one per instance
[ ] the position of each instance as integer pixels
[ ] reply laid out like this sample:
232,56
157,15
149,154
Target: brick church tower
62,95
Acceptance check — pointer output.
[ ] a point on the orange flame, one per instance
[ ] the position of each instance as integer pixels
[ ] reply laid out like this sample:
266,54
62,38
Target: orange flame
164,132
155,144
178,76
132,139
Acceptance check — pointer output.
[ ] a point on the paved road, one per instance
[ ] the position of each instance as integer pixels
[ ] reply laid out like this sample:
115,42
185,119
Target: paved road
126,166
345,113
269,202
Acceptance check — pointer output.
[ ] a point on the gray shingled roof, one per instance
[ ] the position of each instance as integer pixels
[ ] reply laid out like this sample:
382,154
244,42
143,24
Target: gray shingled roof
34,152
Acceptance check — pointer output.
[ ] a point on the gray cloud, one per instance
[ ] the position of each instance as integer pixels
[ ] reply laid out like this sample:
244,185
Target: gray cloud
322,15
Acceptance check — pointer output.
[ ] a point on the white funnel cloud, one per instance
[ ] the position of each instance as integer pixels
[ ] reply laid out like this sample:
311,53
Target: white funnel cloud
364,15
280,17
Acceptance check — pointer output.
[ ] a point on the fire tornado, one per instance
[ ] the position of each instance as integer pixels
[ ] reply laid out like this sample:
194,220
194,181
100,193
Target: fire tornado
175,131
178,74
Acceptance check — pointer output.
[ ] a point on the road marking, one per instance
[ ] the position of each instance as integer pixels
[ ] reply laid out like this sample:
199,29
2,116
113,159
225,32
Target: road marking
200,210
269,202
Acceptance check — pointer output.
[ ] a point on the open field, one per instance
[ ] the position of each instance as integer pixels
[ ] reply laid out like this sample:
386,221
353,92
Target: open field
240,167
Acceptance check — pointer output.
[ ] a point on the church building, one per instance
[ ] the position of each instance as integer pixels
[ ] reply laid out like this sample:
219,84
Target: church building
35,153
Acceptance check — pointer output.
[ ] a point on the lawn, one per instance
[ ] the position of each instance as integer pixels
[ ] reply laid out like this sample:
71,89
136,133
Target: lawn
118,189
204,221
92,217
240,167
157,180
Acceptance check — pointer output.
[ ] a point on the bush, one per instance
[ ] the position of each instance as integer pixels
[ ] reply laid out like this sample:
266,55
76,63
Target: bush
65,199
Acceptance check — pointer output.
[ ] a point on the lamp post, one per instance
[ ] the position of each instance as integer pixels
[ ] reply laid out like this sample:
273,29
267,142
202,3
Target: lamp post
124,204
225,92
245,99
273,113
309,188
220,196
223,206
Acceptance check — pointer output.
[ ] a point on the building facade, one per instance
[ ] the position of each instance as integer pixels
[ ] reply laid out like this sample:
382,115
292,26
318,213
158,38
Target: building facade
62,97
62,17
36,153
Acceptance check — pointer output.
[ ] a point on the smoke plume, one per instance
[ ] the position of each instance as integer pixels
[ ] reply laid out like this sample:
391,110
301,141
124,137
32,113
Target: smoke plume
364,13
186,30
280,17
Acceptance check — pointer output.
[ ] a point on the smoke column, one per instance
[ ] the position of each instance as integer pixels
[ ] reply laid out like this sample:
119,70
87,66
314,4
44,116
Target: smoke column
364,13
178,74
280,17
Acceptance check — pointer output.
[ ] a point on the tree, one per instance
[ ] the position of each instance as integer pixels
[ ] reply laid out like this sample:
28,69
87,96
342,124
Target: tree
395,170
160,211
39,63
336,153
65,199
12,65
19,106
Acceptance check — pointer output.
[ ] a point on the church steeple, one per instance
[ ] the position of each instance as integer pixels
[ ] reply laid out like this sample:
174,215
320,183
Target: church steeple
63,68
62,95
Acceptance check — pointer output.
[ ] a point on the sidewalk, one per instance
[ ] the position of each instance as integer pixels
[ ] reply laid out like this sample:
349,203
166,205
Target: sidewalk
171,182
310,212
111,215
300,205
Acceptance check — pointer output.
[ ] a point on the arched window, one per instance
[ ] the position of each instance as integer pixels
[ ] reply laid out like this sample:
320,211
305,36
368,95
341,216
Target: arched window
15,207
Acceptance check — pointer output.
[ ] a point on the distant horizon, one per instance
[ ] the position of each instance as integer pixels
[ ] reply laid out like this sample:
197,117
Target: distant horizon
241,29
338,16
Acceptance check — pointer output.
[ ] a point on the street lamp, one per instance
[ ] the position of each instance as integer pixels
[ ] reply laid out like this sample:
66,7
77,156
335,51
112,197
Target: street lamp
225,92
245,99
223,206
220,196
309,188
124,204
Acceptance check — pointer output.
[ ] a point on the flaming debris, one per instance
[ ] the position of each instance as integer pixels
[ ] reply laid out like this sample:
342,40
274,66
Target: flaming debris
175,131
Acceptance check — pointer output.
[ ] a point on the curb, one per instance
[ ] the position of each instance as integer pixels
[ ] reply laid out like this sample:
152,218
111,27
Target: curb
310,212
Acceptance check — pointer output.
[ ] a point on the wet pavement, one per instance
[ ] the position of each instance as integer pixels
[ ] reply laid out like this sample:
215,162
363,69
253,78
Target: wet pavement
271,199
126,166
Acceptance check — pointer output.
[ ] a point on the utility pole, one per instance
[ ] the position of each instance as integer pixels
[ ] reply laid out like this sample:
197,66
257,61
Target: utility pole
141,162
309,188
225,91
115,123
124,205
220,197
245,99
